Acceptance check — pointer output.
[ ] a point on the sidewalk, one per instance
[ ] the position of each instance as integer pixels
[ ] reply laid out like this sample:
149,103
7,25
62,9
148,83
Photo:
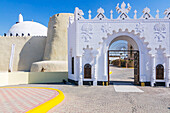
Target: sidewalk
15,100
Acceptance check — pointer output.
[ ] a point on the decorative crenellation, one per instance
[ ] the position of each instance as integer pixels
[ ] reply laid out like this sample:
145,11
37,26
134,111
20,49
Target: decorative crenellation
159,31
100,15
146,14
167,13
123,10
78,14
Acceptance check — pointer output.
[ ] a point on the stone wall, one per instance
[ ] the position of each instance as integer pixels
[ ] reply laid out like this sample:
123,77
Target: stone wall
27,50
56,49
56,45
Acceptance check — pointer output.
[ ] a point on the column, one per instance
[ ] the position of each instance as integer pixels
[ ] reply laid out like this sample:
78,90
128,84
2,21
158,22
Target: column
80,74
95,73
105,64
167,80
153,72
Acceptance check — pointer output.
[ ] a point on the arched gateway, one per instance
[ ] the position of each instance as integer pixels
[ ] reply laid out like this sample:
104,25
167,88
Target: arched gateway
89,41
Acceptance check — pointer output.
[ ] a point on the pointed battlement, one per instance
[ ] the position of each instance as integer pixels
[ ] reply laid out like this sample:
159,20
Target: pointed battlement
123,13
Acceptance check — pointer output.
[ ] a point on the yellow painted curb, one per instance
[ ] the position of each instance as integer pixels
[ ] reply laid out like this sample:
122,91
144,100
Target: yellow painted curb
45,107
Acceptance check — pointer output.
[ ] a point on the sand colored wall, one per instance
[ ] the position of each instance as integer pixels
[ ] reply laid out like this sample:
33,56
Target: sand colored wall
3,78
16,78
27,51
50,66
47,77
56,45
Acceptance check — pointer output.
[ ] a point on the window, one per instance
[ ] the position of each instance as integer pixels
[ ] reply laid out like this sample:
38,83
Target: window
159,71
72,67
87,71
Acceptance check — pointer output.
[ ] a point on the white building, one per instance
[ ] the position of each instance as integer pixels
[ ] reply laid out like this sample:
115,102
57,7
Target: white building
89,41
27,28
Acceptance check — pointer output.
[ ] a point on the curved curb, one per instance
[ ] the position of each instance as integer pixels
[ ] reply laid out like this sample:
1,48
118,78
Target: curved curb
45,107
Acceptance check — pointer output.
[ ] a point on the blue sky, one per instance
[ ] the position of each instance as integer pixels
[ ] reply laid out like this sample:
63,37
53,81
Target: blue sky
41,10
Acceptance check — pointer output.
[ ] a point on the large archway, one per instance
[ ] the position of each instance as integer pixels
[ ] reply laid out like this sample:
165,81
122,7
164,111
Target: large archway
139,49
123,60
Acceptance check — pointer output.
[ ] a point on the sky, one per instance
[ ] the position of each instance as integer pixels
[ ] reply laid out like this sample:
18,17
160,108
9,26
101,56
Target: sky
41,10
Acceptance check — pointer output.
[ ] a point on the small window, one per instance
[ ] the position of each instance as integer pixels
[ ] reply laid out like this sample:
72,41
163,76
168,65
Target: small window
159,71
87,71
72,67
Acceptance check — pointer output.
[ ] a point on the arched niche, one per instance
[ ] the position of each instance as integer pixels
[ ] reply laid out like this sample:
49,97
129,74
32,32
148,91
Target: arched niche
160,71
87,71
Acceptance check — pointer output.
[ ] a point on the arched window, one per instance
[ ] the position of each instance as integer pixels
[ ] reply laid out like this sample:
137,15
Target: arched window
159,71
87,71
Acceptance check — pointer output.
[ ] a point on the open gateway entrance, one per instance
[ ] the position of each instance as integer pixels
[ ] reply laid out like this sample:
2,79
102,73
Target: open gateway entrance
124,65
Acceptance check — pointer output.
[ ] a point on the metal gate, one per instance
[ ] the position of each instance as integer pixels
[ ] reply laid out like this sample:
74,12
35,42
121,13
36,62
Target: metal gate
134,54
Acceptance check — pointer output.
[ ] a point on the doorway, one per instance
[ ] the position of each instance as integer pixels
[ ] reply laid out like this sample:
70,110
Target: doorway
123,64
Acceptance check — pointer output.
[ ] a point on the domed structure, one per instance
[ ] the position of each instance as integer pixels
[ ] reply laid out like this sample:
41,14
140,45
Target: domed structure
27,28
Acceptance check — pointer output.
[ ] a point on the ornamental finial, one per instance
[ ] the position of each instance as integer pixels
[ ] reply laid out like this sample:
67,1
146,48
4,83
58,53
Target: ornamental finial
111,14
135,16
89,14
157,15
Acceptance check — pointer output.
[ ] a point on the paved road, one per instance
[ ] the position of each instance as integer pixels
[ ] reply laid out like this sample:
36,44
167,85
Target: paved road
108,99
121,74
104,99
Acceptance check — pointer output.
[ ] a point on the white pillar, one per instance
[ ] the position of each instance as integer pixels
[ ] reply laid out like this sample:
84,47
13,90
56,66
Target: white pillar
95,73
105,65
167,81
80,79
153,72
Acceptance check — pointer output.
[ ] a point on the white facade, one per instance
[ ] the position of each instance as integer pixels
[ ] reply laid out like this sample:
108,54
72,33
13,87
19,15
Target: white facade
90,39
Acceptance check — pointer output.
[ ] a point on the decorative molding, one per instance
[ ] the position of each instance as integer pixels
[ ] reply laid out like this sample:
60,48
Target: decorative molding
106,28
123,11
139,28
88,57
159,31
86,32
160,49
